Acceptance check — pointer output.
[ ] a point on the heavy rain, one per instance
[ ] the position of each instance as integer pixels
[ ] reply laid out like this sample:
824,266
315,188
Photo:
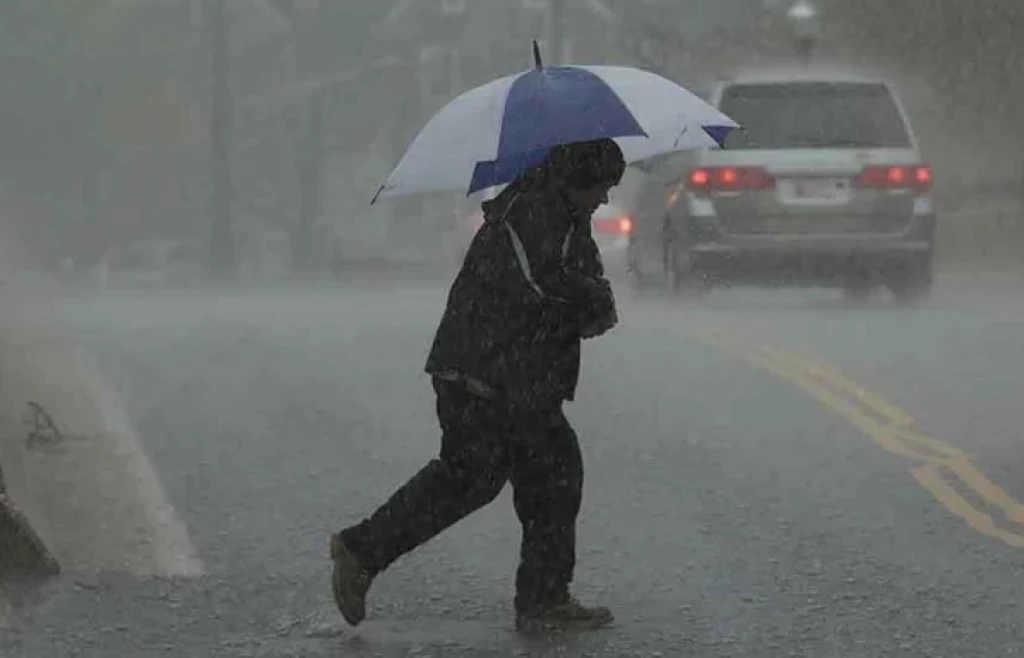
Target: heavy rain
320,319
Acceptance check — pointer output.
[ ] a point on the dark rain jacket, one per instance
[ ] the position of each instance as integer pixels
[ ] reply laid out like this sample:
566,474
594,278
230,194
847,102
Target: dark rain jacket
515,312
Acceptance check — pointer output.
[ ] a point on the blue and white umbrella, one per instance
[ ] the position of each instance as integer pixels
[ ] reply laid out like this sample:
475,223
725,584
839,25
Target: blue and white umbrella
489,135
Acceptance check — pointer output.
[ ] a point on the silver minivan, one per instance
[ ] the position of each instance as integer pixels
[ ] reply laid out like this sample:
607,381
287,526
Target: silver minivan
825,185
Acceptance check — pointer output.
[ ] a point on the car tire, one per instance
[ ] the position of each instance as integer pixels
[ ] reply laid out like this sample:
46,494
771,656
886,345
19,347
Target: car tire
638,281
912,285
858,291
693,287
684,278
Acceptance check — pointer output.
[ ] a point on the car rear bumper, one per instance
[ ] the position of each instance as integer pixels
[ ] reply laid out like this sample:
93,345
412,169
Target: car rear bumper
809,262
803,258
799,248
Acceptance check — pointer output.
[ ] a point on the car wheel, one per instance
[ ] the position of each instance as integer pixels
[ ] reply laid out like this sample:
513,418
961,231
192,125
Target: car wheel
913,285
858,291
638,280
684,278
635,275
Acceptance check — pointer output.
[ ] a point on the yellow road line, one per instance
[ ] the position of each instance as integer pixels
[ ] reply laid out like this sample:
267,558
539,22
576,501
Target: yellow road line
826,397
929,478
952,458
901,423
896,416
990,491
894,432
950,453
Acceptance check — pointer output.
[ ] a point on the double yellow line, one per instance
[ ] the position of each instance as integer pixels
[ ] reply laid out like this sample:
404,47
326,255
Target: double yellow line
893,429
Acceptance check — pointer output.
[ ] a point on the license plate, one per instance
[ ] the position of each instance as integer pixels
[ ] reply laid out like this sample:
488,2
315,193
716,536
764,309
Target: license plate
819,188
782,225
805,225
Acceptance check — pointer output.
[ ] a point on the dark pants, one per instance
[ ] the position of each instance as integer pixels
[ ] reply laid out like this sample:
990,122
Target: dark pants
483,446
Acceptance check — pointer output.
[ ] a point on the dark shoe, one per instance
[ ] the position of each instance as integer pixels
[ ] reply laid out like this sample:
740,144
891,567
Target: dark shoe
568,616
350,582
23,555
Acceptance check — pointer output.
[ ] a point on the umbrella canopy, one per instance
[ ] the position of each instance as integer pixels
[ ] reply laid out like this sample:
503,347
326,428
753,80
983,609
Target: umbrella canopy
489,135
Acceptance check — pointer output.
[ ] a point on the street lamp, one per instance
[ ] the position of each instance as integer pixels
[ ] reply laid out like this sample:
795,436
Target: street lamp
805,28
222,248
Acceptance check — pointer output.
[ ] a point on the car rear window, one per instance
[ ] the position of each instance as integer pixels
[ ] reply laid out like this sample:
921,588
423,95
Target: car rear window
814,115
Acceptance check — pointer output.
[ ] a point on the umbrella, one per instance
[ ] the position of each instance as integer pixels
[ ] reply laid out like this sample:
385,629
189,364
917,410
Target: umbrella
489,135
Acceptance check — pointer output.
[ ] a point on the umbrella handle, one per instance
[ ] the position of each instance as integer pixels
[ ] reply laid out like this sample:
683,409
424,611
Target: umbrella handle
536,55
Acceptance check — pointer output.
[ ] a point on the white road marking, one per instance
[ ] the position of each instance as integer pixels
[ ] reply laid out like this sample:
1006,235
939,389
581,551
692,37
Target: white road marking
97,501
173,551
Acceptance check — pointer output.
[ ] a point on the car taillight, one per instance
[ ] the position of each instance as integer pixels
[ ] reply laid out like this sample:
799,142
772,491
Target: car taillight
729,179
895,177
616,226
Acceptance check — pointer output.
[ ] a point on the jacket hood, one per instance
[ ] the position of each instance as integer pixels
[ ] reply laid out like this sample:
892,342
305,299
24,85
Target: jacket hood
496,208
578,165
534,189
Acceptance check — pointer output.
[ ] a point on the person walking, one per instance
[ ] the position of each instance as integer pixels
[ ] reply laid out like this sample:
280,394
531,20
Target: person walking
505,358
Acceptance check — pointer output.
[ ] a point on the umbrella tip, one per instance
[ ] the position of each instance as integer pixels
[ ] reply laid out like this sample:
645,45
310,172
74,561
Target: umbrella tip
537,61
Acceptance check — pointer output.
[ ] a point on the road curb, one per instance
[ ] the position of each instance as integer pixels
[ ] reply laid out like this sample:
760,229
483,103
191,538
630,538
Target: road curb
963,276
24,554
86,488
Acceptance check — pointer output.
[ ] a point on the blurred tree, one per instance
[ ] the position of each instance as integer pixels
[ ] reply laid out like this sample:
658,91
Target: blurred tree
692,41
101,128
329,51
52,105
104,123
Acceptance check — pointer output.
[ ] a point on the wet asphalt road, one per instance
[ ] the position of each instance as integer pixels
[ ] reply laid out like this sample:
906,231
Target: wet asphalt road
769,474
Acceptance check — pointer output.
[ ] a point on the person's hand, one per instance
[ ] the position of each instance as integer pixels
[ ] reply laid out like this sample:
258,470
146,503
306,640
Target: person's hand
602,326
581,289
597,313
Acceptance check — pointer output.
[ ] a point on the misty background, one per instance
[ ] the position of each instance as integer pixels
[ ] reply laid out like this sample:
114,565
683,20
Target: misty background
105,128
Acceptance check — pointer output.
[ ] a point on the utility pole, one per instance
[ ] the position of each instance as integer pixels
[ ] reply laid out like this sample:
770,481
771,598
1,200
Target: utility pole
309,167
307,144
557,37
222,247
